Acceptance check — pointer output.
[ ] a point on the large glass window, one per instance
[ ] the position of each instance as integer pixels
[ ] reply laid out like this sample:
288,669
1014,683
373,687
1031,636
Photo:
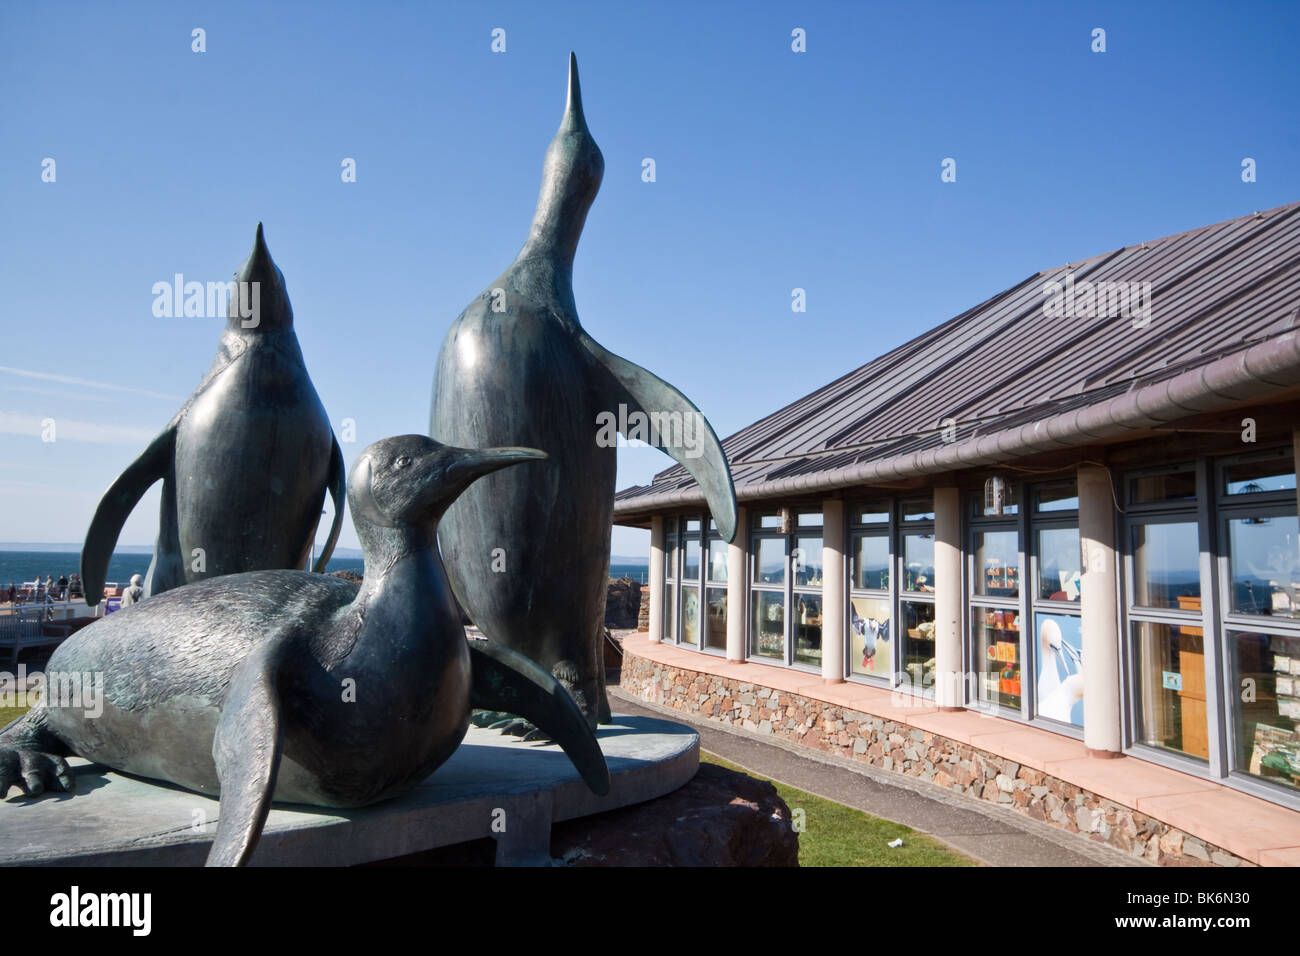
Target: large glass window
715,624
1264,564
767,627
994,572
918,646
1056,639
786,583
915,665
671,557
768,552
997,563
1266,711
918,561
1169,662
1166,635
1261,561
871,636
1165,564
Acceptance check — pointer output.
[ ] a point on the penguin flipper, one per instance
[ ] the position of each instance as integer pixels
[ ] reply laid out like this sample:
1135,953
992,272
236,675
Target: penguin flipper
506,681
246,749
646,392
338,488
116,505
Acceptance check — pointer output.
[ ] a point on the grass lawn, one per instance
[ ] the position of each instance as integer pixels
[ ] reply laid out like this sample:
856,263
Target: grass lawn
10,713
836,835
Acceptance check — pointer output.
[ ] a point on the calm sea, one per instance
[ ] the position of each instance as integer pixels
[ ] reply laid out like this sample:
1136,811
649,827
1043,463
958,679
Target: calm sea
23,566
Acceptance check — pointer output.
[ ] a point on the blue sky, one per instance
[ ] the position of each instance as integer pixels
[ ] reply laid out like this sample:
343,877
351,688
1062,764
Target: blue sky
775,170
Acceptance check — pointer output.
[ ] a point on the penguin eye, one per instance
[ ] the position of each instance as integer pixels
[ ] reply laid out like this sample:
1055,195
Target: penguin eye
402,462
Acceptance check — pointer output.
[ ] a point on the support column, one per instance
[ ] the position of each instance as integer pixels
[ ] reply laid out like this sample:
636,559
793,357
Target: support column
737,586
833,568
1097,602
947,599
1295,450
656,578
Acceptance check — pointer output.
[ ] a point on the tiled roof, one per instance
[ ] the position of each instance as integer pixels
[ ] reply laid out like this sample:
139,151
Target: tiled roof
1216,291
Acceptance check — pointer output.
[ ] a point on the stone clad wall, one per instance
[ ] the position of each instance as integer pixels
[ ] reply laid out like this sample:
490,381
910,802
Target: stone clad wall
894,746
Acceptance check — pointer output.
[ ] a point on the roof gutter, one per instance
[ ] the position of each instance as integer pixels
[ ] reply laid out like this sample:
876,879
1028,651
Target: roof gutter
1246,374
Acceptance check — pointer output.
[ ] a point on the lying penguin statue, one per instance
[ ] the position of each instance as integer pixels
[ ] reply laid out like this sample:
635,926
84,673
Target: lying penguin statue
300,687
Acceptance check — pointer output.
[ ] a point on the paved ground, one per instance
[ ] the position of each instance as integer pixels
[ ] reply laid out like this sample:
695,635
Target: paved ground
991,834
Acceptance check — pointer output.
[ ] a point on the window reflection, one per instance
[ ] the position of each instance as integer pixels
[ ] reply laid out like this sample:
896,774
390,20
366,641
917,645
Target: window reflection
1060,564
1266,726
1166,561
1264,558
918,562
807,562
871,562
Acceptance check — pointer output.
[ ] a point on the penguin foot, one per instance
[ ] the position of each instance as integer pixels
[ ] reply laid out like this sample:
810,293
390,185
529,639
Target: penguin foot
32,771
30,757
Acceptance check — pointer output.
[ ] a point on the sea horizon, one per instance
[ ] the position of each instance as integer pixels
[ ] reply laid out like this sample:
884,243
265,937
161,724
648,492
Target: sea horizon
23,566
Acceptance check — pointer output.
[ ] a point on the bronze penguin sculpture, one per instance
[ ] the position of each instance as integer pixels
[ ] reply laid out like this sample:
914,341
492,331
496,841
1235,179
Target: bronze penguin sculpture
245,463
527,550
239,685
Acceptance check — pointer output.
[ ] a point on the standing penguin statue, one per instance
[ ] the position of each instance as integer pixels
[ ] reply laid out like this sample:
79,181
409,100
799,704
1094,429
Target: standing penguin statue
238,685
527,551
245,463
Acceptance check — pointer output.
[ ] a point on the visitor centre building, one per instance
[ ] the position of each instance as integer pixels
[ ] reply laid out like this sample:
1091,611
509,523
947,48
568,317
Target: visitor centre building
1057,529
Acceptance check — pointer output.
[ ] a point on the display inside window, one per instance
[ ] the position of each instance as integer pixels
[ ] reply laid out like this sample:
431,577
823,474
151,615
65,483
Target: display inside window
1062,497
715,632
998,499
918,562
1264,560
871,562
1171,487
1266,705
997,563
767,628
918,645
769,567
997,646
808,628
1060,667
1169,671
690,614
1166,563
1250,478
718,561
806,561
869,637
1060,566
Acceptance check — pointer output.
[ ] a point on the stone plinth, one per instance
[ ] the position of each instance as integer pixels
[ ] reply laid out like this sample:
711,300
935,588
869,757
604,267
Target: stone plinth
490,783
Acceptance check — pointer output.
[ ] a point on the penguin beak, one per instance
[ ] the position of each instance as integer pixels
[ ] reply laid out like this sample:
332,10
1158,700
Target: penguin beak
473,463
